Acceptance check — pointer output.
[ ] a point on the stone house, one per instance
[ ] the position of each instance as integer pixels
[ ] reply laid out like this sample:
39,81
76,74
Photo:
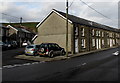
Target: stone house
83,35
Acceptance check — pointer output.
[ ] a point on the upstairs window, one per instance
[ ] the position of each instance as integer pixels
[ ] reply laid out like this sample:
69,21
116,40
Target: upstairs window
102,34
97,33
107,34
82,32
76,31
93,32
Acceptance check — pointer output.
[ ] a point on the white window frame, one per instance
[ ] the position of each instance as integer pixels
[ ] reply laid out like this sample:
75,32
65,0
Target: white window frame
83,32
93,32
103,42
99,33
76,31
83,43
93,42
102,34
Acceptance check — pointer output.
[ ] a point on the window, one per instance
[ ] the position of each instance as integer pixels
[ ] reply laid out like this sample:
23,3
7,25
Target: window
102,41
76,31
113,42
113,35
102,34
83,43
99,33
108,41
107,34
82,32
93,42
117,41
110,34
116,35
93,32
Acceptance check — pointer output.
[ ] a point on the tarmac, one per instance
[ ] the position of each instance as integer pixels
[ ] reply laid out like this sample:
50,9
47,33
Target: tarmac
55,58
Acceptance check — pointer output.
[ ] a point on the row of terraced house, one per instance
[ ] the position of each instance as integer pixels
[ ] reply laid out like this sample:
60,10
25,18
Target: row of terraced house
83,35
11,33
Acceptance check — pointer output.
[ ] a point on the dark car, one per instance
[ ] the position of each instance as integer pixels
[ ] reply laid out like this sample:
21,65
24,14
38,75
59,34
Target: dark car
9,44
12,44
50,49
3,45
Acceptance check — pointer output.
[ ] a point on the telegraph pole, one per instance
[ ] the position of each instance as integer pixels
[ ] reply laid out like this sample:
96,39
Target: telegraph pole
21,21
67,28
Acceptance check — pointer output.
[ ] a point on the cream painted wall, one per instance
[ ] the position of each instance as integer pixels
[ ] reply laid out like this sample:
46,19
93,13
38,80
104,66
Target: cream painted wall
53,30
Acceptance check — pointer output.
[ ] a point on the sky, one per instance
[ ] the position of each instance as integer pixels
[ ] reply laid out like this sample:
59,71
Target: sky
36,10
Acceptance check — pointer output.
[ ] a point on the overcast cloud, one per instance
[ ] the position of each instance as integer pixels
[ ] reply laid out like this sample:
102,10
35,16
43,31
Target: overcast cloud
32,11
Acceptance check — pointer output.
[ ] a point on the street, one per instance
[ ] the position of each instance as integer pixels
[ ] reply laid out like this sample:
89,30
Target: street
100,66
7,57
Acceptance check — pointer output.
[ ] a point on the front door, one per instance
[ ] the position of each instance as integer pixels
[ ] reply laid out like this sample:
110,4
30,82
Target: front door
97,43
111,43
76,46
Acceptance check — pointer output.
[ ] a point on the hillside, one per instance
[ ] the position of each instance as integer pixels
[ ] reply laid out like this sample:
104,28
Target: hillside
31,26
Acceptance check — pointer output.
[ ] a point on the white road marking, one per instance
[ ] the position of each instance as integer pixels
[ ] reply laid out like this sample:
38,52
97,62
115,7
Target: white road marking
84,63
116,53
27,64
8,66
34,63
18,65
81,64
42,62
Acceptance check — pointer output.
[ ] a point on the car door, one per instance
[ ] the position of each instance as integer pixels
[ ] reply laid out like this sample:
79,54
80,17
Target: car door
57,49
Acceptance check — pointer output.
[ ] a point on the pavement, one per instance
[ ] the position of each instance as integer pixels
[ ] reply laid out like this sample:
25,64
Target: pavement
47,59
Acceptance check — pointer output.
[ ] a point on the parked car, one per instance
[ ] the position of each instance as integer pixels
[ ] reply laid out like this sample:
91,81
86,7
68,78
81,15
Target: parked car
31,49
24,44
15,44
3,45
9,45
50,49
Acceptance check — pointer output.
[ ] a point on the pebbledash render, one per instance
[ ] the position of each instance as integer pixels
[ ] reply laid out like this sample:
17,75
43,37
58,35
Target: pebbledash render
83,35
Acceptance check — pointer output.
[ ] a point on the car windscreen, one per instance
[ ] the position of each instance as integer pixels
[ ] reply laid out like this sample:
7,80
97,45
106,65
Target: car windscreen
53,45
30,47
37,46
1,43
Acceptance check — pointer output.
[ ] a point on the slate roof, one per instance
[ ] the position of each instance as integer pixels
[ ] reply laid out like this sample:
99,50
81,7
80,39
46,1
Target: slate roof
82,21
20,29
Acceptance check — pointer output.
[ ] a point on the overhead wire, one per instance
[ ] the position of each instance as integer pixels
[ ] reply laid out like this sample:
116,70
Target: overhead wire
95,10
71,4
12,16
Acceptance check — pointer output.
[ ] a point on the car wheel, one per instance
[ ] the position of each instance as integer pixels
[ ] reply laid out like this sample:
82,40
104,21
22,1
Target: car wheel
42,49
35,54
63,52
51,54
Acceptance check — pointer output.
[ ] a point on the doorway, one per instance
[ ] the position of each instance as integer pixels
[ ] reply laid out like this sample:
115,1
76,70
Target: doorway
76,46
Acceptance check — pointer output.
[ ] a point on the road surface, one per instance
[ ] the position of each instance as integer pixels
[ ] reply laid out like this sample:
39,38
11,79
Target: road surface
8,57
100,66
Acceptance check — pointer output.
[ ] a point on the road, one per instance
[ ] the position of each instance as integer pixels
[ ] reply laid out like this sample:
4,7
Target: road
8,56
100,66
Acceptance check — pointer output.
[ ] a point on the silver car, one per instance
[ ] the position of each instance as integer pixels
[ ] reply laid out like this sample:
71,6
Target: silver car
31,49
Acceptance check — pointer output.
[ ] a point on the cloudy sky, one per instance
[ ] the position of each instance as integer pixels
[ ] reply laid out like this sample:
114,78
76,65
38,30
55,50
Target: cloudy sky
36,10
